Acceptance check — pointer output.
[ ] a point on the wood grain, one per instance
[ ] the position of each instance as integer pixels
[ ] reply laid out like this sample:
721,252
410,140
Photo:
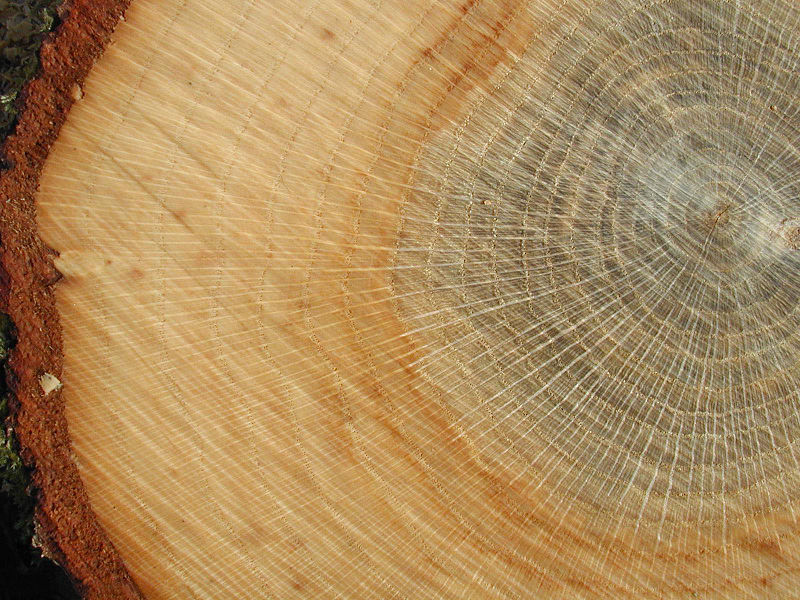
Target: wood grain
437,299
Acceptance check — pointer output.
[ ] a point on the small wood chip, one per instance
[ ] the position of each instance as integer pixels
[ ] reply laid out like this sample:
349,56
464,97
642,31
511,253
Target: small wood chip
49,383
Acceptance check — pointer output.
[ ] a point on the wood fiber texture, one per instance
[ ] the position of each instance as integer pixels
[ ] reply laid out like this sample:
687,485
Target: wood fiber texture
437,299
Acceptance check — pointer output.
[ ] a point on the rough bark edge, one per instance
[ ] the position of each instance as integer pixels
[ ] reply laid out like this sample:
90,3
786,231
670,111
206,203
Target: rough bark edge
67,527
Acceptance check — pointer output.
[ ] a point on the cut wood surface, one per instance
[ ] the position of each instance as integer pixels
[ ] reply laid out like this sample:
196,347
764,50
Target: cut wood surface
437,299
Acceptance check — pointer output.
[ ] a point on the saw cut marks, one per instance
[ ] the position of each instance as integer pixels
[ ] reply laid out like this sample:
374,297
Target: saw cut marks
437,299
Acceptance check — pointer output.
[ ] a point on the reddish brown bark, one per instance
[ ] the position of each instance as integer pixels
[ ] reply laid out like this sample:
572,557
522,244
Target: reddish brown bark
68,527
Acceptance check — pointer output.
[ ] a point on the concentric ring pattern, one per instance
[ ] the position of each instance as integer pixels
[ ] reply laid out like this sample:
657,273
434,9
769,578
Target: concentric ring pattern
438,298
600,254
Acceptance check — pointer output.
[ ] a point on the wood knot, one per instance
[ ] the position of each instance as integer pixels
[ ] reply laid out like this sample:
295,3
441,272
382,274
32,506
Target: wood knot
788,231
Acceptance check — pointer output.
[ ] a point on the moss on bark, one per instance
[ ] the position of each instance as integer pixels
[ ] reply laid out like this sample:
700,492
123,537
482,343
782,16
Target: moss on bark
23,26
